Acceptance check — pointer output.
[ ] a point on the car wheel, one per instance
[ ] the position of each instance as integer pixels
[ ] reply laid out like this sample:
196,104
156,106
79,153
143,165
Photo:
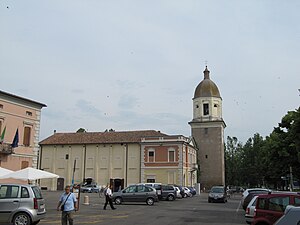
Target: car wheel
171,198
150,201
118,201
21,219
185,195
209,201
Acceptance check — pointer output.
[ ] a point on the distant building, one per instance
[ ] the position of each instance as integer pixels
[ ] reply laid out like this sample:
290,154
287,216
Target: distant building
119,158
208,132
24,115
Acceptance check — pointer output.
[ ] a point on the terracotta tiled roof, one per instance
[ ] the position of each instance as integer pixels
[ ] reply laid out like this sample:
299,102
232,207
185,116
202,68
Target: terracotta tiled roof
3,93
100,137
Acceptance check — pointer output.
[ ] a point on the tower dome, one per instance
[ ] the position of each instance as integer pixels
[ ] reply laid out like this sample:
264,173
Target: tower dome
207,88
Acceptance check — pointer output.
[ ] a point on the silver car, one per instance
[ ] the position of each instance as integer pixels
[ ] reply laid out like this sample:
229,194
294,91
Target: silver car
250,210
21,204
291,216
136,193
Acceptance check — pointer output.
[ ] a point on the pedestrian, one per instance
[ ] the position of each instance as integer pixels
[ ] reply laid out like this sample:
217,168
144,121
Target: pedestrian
67,204
108,197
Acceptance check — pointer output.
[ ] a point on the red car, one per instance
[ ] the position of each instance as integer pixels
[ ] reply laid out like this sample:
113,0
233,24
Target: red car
270,207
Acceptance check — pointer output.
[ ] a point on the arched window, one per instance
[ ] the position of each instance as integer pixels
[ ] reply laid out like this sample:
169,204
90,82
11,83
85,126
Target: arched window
205,109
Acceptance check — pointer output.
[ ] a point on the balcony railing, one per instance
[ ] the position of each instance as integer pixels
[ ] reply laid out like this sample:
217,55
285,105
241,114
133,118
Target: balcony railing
6,149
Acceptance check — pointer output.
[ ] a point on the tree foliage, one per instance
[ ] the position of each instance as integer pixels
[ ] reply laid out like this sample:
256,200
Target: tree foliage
265,161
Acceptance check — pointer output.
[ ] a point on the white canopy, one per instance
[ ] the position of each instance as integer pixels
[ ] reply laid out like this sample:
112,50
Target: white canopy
4,171
29,173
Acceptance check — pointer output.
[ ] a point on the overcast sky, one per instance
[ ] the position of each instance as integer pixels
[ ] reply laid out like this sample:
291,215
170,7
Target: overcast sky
134,65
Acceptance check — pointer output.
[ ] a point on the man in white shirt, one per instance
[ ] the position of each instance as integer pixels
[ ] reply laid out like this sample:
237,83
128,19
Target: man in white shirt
108,196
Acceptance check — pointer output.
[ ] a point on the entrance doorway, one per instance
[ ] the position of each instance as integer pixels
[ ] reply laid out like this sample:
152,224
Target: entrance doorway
117,184
60,184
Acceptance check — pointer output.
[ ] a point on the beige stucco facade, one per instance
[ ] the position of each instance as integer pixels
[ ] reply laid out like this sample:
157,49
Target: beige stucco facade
25,115
121,162
102,162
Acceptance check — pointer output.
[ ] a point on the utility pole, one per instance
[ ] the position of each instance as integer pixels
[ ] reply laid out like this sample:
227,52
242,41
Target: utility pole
291,179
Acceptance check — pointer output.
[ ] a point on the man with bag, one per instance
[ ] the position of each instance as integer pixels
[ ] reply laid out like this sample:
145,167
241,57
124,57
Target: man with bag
67,204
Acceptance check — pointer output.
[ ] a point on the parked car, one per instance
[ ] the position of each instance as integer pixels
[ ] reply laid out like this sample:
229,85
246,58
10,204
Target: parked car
249,190
217,194
21,204
187,192
136,193
251,194
192,190
178,194
156,186
90,188
180,188
168,192
270,207
291,216
250,210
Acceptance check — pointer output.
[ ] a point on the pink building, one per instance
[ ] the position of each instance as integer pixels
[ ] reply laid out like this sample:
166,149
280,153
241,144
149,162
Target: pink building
24,115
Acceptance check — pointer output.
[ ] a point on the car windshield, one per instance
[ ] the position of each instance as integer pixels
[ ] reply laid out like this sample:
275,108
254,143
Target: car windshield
217,190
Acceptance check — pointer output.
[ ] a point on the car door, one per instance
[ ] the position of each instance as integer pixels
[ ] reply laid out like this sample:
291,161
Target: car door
129,194
142,193
276,206
9,201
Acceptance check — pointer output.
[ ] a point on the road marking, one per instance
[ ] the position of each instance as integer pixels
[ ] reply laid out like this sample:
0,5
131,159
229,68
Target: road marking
238,208
119,217
52,222
92,222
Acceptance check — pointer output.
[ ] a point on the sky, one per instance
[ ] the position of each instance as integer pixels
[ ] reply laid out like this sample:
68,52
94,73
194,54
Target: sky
135,64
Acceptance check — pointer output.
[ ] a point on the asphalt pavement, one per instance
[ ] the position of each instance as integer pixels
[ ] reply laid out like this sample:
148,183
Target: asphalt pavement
194,210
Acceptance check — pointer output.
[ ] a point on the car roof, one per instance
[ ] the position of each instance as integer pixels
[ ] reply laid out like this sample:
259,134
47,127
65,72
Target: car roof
278,194
25,185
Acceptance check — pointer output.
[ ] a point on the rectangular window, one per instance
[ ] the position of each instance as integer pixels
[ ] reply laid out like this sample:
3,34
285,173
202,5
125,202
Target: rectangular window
151,156
150,180
1,106
24,192
278,203
9,191
171,156
26,139
24,164
205,109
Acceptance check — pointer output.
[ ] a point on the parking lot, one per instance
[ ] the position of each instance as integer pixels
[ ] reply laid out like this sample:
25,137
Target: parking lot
194,210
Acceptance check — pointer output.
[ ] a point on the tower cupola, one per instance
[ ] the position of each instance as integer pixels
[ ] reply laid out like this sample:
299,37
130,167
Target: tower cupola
207,88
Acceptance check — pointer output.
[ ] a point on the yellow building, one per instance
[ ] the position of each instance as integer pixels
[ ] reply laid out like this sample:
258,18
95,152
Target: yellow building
106,157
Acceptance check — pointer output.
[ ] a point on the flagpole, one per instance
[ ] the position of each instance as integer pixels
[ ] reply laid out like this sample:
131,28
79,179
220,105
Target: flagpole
73,172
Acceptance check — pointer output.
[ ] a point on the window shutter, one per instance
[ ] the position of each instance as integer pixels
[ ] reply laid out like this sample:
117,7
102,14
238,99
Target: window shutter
26,140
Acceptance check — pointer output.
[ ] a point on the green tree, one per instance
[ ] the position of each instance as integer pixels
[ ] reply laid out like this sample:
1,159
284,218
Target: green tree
81,130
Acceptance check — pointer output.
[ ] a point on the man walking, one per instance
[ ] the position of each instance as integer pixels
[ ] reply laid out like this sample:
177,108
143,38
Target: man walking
108,195
67,204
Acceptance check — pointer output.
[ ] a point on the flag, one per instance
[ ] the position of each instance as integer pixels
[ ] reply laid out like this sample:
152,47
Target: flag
2,135
16,140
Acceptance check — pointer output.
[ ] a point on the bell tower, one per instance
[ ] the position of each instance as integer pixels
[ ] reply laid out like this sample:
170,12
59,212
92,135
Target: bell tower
207,129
